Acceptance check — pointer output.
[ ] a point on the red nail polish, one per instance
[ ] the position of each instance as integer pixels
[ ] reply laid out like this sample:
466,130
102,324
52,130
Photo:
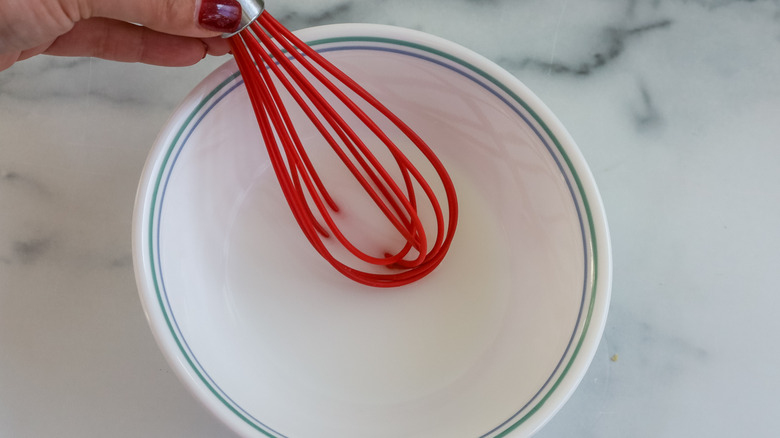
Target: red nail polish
220,15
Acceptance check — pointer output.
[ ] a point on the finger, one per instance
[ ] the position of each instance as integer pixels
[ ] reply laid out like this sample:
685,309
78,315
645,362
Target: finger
8,59
119,41
195,18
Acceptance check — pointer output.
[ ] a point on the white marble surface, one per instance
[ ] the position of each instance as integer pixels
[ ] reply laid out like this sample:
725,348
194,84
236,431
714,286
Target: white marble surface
675,104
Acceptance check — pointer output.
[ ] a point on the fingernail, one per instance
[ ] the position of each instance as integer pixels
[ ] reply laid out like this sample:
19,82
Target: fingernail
220,15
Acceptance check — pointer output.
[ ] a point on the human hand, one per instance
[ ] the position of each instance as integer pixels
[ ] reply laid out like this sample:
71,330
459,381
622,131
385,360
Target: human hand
168,32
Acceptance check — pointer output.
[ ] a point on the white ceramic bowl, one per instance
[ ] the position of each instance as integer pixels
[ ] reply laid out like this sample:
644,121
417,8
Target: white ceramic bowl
275,343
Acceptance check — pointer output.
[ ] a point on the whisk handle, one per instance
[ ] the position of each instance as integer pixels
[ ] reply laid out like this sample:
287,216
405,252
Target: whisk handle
250,10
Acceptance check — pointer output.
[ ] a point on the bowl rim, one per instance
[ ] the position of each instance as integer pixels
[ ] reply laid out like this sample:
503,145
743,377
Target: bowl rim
600,246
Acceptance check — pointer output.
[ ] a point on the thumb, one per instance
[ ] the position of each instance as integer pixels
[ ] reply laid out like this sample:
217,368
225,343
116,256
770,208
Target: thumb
192,18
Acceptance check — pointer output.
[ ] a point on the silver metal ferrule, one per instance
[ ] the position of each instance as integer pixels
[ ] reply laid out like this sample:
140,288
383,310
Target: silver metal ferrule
250,10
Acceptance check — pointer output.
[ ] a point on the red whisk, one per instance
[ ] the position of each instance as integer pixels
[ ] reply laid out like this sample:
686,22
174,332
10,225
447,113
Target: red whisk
275,66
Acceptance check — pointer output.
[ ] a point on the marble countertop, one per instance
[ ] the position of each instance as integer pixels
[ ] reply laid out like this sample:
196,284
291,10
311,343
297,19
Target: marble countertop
674,103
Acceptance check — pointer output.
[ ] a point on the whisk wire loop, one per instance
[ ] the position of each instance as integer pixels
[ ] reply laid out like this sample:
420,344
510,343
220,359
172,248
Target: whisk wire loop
298,49
265,119
315,97
359,151
267,49
270,106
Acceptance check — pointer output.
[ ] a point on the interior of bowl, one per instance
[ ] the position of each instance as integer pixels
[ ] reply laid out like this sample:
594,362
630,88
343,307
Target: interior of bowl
277,343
